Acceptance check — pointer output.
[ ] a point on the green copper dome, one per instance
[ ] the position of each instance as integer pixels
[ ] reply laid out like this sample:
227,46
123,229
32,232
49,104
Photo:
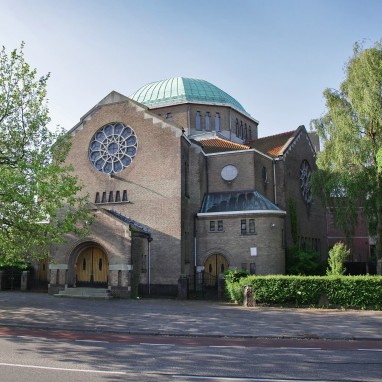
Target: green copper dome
183,90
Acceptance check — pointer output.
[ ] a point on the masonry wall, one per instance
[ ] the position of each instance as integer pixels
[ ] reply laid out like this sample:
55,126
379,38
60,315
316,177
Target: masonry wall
311,226
236,247
152,182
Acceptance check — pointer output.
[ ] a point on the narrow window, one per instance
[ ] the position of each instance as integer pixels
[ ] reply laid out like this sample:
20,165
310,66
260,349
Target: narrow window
252,226
222,268
241,133
84,264
217,122
220,225
111,197
117,196
104,197
237,127
252,268
197,121
208,118
212,225
97,197
124,196
243,226
100,264
186,179
245,132
250,133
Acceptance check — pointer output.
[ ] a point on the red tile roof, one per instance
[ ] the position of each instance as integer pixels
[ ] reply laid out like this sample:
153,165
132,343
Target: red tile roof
216,145
273,144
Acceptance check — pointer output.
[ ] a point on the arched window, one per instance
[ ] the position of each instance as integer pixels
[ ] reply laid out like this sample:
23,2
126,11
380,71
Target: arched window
111,197
250,133
117,196
197,121
237,127
241,132
217,122
245,132
97,197
208,119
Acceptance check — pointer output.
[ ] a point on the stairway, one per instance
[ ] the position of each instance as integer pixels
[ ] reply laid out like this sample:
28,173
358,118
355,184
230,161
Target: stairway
95,293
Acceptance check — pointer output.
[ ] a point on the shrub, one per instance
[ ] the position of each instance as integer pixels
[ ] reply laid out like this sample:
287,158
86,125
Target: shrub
363,292
337,256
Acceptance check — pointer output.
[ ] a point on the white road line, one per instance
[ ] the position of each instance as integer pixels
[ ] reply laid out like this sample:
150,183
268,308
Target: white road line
152,344
32,337
286,348
369,349
189,377
227,346
95,341
63,369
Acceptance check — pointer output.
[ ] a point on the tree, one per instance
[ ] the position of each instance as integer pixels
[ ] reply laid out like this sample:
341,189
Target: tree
351,134
337,256
38,193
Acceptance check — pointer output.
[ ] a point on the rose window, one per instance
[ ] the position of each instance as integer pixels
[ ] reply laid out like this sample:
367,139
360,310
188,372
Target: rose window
306,181
113,148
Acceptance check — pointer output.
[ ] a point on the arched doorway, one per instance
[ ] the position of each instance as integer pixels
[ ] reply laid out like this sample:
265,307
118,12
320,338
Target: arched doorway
92,268
214,265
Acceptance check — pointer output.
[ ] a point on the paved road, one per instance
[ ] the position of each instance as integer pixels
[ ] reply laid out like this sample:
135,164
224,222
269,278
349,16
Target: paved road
185,318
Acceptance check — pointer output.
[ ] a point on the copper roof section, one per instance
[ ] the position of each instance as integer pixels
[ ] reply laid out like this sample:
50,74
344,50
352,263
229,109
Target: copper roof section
217,145
273,144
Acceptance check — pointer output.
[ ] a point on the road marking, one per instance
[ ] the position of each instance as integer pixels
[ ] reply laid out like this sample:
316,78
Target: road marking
32,337
244,379
152,344
63,369
369,349
286,348
227,346
95,341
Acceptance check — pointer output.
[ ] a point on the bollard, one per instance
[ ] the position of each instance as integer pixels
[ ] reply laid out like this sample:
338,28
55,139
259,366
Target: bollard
248,296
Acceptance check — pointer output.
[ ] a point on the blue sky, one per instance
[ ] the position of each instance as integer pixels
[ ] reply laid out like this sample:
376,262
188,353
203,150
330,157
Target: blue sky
274,56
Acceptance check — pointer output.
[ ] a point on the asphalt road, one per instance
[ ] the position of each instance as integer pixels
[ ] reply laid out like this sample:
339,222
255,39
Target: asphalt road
43,338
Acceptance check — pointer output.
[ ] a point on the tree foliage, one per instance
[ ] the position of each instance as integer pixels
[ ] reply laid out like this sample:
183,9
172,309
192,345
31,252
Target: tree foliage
337,256
38,202
351,135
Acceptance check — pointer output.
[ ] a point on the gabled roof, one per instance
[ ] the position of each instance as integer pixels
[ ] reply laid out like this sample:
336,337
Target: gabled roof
272,145
217,145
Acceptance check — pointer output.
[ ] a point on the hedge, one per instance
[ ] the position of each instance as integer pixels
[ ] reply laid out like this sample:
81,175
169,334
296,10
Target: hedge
362,292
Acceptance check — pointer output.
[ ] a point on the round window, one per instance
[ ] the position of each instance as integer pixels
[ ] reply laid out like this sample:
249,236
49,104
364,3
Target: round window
229,173
112,148
306,181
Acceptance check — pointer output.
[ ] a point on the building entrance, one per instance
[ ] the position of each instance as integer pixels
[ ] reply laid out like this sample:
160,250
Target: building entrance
213,267
92,268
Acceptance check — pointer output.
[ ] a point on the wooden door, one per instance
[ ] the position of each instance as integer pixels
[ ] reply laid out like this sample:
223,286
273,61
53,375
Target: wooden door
92,267
43,270
213,267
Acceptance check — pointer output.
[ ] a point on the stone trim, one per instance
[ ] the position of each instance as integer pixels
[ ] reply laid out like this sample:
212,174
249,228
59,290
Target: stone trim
54,267
120,267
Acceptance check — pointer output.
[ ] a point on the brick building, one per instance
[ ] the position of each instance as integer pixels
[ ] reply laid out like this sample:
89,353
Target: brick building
181,186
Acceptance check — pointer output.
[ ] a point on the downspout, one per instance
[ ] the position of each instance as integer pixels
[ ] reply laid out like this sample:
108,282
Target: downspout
149,239
195,251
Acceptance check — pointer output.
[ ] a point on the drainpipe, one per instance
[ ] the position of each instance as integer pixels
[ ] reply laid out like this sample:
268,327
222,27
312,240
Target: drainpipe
195,251
149,264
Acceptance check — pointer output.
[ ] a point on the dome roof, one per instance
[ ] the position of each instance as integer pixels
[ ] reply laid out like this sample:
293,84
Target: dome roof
183,90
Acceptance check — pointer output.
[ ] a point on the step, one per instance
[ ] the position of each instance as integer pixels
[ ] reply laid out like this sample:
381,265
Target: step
99,293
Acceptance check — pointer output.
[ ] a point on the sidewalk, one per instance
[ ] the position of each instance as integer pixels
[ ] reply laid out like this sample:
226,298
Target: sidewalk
184,318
